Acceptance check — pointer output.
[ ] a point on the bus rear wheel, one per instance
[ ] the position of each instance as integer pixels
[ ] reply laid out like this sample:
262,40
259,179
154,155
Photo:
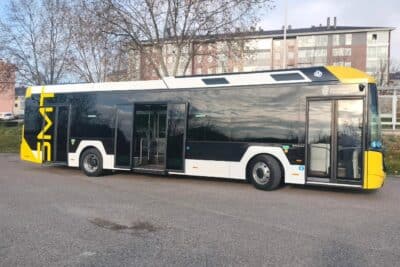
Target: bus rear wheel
92,162
264,172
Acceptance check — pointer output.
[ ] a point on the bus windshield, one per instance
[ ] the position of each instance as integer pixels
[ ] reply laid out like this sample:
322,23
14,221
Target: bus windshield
375,137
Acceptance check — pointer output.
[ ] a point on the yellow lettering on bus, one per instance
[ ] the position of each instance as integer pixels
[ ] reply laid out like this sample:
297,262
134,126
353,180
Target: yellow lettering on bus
48,123
43,146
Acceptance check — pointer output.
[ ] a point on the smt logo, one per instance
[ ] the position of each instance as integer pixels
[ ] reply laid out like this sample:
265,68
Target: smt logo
43,138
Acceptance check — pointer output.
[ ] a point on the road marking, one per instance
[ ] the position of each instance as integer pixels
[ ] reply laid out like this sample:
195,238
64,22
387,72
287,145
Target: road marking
87,254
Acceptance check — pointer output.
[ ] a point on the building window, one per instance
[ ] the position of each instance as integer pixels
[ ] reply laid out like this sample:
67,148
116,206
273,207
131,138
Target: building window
312,41
321,40
342,63
312,56
377,52
348,39
336,40
341,52
381,37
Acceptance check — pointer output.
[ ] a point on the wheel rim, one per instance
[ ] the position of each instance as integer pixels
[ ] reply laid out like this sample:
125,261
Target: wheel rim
91,163
261,173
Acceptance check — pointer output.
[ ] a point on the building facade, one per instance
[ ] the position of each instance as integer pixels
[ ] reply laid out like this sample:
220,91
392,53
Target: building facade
7,85
364,48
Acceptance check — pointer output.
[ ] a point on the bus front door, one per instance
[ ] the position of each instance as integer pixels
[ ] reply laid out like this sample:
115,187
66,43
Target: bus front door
55,134
335,141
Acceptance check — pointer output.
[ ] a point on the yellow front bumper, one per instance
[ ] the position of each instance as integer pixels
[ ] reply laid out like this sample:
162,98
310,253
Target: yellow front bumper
374,174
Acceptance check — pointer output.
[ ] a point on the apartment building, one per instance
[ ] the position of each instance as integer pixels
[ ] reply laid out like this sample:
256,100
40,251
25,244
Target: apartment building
365,48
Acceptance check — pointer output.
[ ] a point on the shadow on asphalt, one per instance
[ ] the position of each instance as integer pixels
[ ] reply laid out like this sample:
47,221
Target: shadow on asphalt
313,188
334,189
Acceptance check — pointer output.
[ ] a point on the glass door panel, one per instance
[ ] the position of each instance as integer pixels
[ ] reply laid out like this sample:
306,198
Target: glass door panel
319,138
61,134
150,136
349,138
176,136
123,136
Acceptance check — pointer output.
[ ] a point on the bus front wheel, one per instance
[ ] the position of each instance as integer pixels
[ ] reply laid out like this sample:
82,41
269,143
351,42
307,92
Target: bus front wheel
264,172
92,162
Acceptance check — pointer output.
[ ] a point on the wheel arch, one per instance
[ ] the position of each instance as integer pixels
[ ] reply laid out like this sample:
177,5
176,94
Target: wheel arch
108,159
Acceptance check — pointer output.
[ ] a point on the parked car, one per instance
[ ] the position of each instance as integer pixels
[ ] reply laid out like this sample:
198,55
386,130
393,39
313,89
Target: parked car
6,116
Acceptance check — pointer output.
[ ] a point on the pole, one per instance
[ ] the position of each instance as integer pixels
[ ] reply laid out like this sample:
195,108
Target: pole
394,109
284,38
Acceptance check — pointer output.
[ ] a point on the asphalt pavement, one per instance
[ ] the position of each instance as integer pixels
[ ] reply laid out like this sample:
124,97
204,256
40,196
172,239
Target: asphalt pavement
55,216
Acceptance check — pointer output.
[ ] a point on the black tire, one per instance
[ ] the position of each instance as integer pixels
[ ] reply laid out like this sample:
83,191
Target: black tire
264,172
91,162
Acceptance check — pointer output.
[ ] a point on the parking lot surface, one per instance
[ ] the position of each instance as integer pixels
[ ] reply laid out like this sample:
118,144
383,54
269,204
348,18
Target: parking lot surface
54,216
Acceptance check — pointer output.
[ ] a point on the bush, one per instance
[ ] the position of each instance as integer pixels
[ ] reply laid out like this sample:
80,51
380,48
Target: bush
10,137
392,153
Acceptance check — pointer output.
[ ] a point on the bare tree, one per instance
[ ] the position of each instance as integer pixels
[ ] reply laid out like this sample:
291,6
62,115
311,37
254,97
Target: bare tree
96,56
161,29
394,66
7,77
36,36
382,73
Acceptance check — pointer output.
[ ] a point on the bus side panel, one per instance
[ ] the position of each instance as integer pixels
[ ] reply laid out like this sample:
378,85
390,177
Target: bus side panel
74,157
236,169
374,175
26,153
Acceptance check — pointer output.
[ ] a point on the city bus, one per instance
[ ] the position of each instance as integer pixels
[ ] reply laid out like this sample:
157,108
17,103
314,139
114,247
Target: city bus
308,126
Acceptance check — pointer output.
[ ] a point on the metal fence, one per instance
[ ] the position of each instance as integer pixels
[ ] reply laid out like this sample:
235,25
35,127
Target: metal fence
390,107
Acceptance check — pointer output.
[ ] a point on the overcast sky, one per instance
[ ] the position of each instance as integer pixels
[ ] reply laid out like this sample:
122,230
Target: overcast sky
304,13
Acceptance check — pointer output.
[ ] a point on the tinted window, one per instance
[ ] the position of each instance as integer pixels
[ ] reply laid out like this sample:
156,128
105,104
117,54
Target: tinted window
265,115
319,138
349,138
124,135
209,116
257,114
92,118
33,122
176,133
211,81
287,77
62,134
374,121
